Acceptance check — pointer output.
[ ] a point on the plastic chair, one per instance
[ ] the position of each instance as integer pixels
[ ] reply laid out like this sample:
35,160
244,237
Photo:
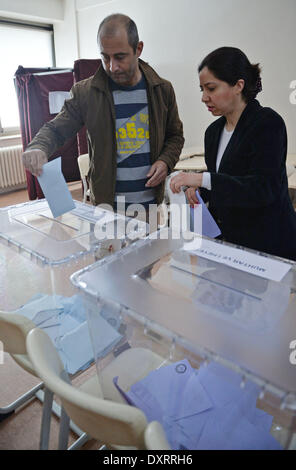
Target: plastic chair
290,169
116,424
155,438
13,332
83,165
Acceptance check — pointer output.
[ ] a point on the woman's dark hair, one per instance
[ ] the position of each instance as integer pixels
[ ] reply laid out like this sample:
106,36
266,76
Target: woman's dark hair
230,64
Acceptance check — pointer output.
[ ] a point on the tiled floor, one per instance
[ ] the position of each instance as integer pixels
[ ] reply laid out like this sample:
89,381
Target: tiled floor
17,197
21,430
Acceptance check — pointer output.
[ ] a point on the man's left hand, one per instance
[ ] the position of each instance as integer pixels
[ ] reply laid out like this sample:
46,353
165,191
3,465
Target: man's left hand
157,173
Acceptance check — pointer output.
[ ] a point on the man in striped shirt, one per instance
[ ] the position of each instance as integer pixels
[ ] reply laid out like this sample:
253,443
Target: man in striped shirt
120,50
134,132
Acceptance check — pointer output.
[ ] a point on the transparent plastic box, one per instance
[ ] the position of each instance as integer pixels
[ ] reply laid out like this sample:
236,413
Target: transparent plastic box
202,347
38,253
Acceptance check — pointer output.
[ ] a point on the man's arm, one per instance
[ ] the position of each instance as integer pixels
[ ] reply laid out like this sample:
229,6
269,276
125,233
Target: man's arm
54,134
174,139
172,147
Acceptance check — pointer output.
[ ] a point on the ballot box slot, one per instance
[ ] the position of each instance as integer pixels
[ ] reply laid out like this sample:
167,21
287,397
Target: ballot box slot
211,281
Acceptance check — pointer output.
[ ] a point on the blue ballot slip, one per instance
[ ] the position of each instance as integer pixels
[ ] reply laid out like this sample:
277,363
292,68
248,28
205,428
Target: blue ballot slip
64,320
55,188
208,227
203,409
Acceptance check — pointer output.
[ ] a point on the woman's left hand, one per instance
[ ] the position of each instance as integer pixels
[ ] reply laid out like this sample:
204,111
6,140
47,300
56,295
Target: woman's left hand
185,179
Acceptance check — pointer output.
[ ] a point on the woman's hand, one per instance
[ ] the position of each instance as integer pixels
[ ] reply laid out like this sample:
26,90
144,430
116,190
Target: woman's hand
185,179
191,196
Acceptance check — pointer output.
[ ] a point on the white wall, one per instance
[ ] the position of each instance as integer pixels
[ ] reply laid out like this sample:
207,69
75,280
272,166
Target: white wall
60,13
66,36
178,34
42,10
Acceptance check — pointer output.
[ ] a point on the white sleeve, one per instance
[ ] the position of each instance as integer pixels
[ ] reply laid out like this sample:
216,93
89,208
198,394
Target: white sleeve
206,181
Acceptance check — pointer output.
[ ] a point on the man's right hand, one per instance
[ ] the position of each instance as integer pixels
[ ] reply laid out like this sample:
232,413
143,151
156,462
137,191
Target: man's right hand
34,160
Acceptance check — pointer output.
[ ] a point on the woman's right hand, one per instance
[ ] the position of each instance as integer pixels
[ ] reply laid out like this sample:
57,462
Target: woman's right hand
191,196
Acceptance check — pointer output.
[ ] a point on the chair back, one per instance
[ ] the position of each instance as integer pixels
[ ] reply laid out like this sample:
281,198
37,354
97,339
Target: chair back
155,438
83,164
13,331
107,421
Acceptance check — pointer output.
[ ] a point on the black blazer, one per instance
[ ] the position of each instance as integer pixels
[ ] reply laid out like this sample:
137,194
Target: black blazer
249,198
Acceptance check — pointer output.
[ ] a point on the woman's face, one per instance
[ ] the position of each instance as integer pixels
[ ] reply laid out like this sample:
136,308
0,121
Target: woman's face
219,97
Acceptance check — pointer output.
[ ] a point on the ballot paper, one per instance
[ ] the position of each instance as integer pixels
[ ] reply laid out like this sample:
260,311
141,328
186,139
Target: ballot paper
183,217
75,349
64,320
179,208
55,188
203,409
208,227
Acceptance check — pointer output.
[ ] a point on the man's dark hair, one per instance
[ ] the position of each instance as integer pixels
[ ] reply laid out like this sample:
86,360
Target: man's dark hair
110,25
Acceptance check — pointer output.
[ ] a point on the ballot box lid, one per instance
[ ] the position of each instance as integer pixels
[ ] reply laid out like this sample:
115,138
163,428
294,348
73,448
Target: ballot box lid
223,302
32,229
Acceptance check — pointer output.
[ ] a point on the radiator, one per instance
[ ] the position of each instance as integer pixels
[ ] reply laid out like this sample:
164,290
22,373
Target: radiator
12,173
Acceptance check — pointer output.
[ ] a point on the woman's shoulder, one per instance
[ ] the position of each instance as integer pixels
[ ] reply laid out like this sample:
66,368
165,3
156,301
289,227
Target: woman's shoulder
269,114
258,115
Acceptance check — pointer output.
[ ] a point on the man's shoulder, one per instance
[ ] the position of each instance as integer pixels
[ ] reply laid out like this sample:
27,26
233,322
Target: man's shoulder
152,76
84,84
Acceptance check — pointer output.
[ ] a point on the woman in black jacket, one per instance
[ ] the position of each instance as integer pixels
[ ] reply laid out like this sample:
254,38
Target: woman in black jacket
245,152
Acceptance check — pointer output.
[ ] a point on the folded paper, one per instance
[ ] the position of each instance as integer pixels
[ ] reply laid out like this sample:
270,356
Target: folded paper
203,409
55,188
64,320
208,227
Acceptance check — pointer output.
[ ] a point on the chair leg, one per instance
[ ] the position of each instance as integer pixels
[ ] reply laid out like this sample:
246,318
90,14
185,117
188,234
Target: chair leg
46,417
79,442
64,430
84,188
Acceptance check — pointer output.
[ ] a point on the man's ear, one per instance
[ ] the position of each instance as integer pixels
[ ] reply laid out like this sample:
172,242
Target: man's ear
139,48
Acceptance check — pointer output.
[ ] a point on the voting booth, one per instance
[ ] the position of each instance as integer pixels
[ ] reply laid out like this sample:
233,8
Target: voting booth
204,332
38,253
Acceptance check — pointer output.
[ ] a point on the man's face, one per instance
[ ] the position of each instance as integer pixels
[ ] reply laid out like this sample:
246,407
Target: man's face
118,58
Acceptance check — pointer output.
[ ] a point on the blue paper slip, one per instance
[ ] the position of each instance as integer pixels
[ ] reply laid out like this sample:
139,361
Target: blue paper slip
55,188
204,225
64,320
203,409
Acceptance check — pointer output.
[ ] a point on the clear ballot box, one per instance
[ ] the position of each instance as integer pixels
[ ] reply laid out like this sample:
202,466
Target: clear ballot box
38,253
199,334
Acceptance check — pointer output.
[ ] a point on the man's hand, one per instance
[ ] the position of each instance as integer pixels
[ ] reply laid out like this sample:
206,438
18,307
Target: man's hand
34,160
185,179
157,173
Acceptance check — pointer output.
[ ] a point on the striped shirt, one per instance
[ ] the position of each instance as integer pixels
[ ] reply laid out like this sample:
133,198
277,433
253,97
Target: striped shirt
133,145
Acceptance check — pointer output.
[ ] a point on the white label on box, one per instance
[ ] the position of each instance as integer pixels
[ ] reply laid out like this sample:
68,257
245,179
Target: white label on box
239,259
